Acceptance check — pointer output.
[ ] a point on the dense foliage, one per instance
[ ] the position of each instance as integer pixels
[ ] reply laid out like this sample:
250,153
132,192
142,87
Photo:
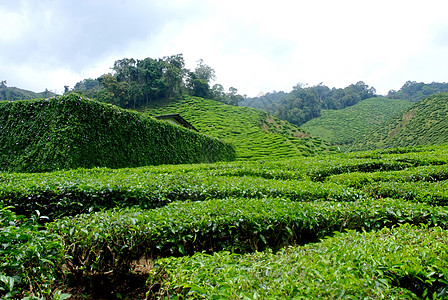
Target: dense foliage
238,225
255,134
71,131
424,123
415,91
274,214
353,265
134,83
343,127
30,258
305,103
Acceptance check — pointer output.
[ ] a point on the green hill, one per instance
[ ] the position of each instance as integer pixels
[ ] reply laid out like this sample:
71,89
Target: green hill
255,134
342,127
425,123
14,93
69,132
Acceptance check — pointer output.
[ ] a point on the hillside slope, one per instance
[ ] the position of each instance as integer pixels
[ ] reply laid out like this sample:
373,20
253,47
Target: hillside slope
342,127
71,132
255,134
14,93
425,123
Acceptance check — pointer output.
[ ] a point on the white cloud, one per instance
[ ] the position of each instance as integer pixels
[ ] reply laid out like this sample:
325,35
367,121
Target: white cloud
253,45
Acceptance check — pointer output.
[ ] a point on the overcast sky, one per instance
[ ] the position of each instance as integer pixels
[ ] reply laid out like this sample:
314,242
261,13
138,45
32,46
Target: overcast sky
255,46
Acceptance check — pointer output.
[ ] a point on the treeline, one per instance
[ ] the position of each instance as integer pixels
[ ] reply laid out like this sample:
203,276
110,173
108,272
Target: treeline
133,83
416,91
305,103
13,93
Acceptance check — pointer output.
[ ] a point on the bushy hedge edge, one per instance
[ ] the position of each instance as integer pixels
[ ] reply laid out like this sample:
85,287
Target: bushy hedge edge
110,240
70,131
73,192
407,262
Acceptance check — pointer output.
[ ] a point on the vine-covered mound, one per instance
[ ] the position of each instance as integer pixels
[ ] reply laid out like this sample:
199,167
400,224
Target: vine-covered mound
70,131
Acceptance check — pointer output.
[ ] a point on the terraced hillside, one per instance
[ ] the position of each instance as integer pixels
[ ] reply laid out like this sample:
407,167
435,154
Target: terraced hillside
343,127
256,134
367,225
425,123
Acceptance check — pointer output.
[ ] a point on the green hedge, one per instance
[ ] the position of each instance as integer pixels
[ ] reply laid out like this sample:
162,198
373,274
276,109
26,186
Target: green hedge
424,192
425,173
71,192
71,131
407,262
110,240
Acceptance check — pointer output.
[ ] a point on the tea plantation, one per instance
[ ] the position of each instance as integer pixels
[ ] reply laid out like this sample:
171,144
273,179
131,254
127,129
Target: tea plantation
364,225
343,127
424,123
256,135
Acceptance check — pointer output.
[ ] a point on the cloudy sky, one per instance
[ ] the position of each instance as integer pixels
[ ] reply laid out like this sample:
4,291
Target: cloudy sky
255,46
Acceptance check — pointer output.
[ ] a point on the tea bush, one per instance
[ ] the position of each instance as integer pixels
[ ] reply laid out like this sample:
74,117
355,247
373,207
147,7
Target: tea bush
71,192
409,262
110,240
31,259
425,173
424,192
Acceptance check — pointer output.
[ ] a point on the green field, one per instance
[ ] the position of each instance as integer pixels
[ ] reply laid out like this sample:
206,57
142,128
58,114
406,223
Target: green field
369,225
343,127
424,123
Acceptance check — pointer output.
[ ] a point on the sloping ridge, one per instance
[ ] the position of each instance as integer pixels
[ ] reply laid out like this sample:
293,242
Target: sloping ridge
343,127
69,132
256,135
425,123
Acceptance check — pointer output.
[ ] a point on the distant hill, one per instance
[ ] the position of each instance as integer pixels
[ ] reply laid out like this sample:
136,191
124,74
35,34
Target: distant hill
424,123
343,127
255,134
68,132
14,93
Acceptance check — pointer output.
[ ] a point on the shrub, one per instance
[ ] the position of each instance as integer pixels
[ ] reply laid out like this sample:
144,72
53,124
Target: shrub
70,132
31,259
408,263
110,240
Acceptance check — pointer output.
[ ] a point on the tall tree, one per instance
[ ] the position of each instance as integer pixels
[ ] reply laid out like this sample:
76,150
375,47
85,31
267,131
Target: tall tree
199,80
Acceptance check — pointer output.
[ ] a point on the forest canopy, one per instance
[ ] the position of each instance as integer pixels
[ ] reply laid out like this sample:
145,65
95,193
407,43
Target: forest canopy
133,82
305,103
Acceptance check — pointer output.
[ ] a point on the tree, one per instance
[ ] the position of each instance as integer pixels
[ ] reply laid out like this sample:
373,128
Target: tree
204,72
198,81
174,74
114,92
198,87
234,97
218,93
